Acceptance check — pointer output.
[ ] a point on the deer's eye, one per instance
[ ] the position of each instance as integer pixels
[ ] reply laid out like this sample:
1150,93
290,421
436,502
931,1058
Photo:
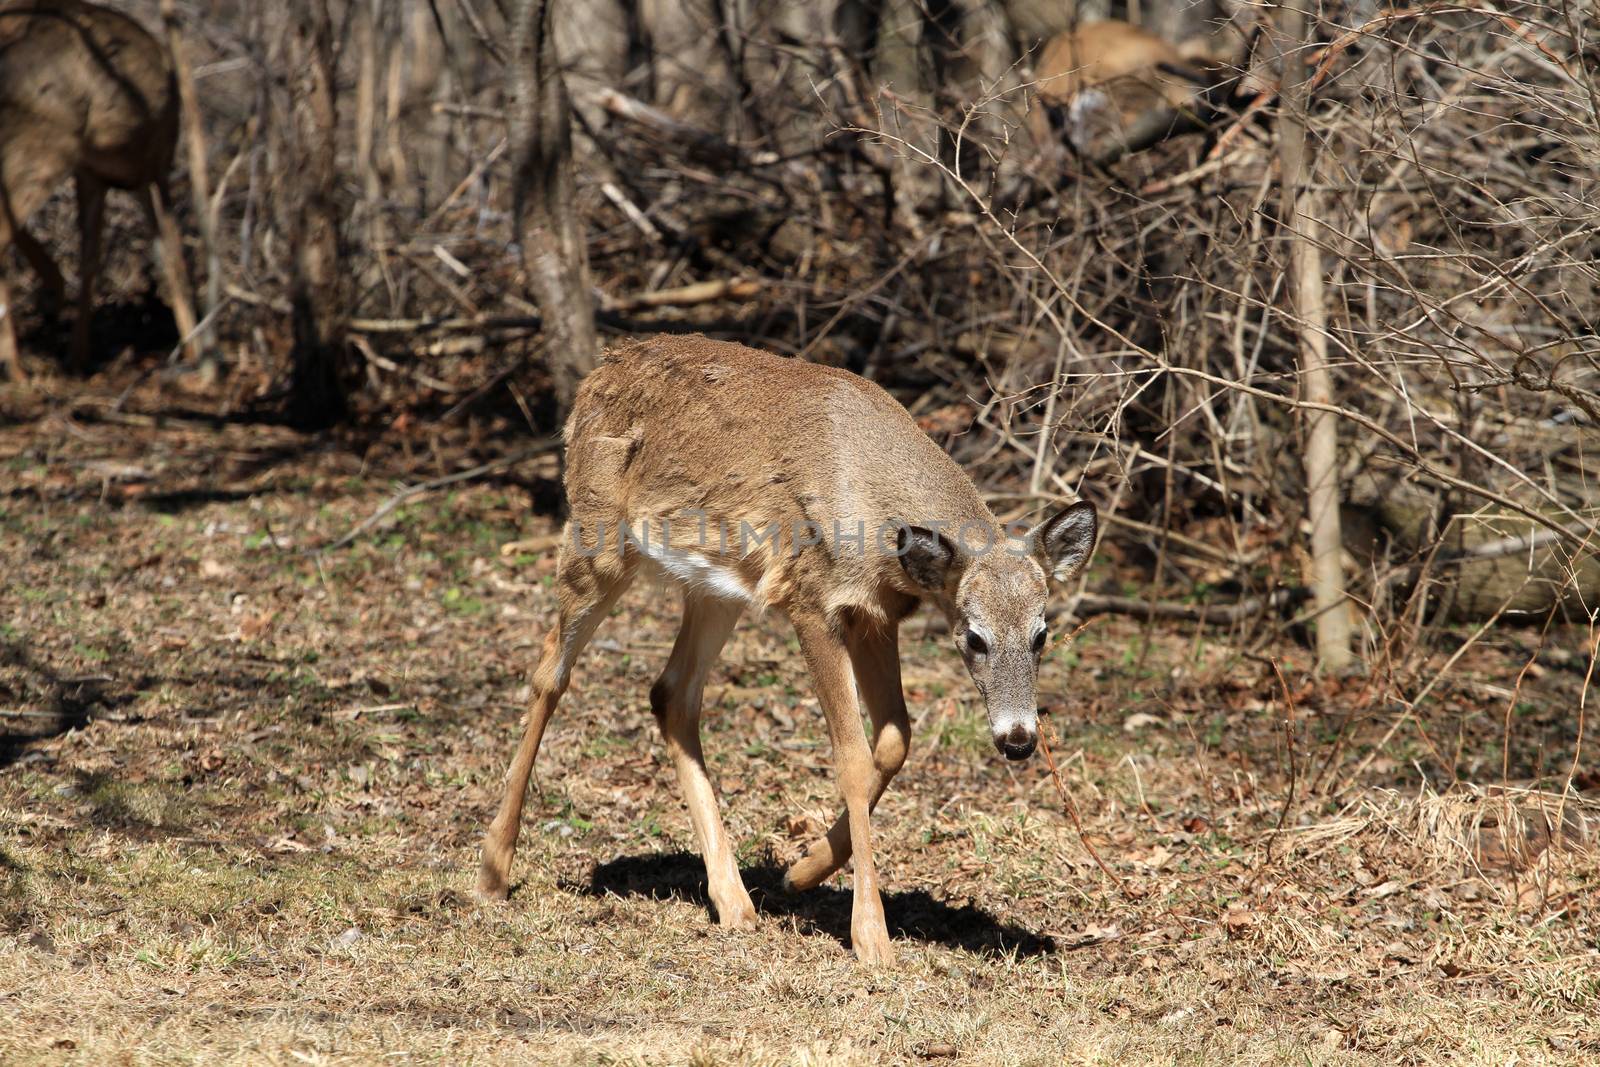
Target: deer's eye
976,644
1038,642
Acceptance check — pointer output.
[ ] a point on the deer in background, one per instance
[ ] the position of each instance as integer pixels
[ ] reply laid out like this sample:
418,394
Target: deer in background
750,480
1109,88
84,91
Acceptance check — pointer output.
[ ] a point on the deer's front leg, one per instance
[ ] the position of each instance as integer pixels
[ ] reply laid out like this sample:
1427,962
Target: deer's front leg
830,672
875,658
10,361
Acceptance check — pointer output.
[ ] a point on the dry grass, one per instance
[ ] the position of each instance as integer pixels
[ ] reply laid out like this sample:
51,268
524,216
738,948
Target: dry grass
254,844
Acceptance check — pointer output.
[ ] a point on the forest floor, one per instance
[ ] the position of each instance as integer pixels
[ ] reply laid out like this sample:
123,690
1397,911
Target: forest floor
242,788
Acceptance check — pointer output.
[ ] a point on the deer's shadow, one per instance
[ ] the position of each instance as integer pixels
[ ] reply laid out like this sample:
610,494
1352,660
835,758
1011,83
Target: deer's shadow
911,914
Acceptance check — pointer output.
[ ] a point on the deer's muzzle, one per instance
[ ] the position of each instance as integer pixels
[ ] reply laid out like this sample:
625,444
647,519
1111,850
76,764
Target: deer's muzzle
1017,743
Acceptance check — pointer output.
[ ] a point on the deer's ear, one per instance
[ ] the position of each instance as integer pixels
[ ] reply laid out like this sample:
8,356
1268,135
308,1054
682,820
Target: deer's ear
925,555
1063,542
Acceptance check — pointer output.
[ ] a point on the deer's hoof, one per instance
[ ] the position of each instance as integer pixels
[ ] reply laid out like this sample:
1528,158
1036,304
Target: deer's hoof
807,873
493,885
874,950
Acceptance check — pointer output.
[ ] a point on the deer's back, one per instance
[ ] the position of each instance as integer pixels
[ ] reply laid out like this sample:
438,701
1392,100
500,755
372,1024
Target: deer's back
89,81
1103,52
686,424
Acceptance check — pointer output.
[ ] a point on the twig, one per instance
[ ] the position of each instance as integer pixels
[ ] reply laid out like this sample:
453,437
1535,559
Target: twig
1261,100
632,211
1578,534
466,183
685,296
1333,50
1516,694
1213,163
1072,813
1288,734
706,144
452,325
549,444
1504,546
245,296
371,356
1093,604
1216,614
1583,708
1062,642
504,374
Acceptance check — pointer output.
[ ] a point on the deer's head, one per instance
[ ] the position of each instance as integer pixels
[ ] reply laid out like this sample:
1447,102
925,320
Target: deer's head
994,595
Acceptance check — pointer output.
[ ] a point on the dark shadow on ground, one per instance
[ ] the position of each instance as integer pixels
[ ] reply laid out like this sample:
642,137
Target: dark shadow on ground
68,705
39,701
108,808
142,322
911,914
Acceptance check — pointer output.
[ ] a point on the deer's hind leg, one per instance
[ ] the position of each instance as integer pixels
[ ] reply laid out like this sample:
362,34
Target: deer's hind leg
26,180
91,225
586,589
10,360
50,279
10,233
676,700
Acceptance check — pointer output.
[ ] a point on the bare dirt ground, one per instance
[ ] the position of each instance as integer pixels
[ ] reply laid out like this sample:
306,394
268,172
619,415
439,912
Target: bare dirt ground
241,788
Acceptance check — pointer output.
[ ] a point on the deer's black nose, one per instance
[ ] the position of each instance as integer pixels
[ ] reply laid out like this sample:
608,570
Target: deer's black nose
1016,744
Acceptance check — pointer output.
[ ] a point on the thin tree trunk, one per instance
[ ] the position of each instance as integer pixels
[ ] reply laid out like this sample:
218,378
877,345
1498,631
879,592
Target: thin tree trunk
317,388
366,30
200,347
1309,308
544,204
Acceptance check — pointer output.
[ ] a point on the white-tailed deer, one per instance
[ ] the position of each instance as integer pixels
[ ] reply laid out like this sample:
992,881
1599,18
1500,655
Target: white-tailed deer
86,92
750,479
1109,88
